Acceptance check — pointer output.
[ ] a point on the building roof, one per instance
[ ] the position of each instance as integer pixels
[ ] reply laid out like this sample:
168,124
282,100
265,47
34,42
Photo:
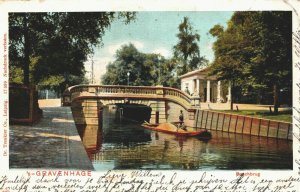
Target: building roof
203,71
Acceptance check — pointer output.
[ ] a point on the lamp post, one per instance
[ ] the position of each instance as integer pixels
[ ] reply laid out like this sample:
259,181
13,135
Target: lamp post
159,58
92,68
128,74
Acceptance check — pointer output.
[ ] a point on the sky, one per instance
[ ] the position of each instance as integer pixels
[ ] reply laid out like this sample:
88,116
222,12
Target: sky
155,32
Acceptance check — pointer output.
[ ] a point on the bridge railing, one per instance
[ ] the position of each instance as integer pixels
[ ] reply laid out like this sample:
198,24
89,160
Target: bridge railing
154,92
178,95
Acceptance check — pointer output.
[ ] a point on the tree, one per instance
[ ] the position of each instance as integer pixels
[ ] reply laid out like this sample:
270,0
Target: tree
168,73
56,44
128,59
254,52
63,64
145,69
187,51
227,63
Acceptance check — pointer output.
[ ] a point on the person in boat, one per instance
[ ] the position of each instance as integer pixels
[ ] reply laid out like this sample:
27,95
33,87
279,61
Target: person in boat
181,119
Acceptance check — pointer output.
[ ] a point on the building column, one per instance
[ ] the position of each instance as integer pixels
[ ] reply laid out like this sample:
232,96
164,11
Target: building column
195,87
219,92
198,87
229,92
208,91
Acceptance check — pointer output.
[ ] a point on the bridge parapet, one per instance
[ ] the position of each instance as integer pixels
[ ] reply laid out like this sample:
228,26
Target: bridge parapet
121,91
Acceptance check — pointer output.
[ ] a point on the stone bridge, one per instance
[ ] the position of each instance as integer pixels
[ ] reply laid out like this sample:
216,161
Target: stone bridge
165,102
87,102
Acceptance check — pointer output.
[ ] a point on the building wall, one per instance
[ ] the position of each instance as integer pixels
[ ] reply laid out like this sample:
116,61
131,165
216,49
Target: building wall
187,83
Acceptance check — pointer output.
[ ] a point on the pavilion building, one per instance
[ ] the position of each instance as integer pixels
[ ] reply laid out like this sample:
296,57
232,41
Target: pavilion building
206,91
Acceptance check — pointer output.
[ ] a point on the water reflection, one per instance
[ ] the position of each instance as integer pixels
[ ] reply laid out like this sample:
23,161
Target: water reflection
92,139
126,145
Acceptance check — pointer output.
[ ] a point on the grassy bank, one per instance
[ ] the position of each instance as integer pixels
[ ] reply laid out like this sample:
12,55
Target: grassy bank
281,116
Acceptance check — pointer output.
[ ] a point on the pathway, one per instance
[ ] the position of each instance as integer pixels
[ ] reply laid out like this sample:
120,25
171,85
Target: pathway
52,143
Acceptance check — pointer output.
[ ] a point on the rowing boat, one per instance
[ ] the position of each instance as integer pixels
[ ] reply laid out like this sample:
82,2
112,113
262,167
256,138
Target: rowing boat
173,129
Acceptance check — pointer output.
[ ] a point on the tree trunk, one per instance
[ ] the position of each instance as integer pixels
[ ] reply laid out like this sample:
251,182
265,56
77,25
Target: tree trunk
259,97
232,97
276,98
26,54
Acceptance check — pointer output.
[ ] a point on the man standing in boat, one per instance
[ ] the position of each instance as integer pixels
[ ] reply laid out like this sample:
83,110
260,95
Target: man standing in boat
181,119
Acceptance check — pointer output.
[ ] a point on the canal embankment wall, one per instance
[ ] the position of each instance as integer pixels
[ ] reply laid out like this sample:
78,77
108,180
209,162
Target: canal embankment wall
232,123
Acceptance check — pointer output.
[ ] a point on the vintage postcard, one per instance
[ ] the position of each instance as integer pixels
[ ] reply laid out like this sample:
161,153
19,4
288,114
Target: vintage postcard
149,96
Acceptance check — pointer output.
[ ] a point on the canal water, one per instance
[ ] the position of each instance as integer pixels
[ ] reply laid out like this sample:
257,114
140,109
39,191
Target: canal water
123,144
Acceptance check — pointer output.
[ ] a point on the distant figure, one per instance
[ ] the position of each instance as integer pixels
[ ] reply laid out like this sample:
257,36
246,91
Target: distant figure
181,118
187,90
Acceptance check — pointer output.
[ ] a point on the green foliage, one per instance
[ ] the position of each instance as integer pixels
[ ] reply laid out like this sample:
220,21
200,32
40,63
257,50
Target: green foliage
145,69
187,51
59,82
254,52
15,74
52,47
51,82
217,30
